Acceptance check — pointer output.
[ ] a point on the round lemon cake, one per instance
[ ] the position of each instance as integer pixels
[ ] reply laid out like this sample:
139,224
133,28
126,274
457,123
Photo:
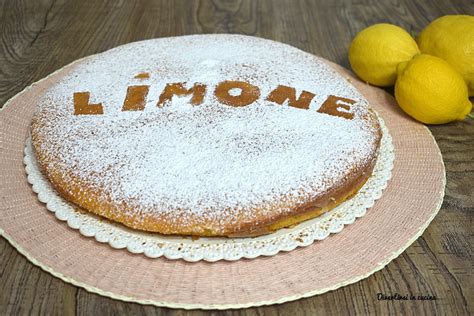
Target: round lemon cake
205,135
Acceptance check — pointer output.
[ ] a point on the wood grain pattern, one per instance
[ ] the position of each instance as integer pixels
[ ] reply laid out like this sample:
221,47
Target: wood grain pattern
40,36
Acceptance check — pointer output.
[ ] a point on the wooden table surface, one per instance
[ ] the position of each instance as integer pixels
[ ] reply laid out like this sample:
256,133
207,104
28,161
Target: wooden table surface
38,37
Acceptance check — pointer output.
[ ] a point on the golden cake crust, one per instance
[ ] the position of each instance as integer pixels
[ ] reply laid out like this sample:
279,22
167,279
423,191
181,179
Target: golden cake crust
69,147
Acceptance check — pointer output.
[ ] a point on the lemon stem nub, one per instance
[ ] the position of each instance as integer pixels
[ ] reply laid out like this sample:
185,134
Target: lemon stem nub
471,116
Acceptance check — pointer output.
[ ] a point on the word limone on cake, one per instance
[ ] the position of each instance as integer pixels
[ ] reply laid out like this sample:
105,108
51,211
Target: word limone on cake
230,92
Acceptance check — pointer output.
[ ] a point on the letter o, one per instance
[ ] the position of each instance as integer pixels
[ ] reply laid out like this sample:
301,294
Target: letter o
249,93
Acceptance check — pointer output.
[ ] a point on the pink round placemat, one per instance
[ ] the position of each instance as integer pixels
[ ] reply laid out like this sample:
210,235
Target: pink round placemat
409,203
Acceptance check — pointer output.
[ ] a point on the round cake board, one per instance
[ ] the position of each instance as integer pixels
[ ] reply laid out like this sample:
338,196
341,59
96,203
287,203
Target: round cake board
409,203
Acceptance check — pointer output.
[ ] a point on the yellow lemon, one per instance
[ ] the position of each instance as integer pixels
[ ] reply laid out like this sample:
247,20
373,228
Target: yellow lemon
451,37
431,90
376,51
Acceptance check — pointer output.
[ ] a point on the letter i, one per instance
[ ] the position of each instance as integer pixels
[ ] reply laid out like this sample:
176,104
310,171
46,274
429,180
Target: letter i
135,99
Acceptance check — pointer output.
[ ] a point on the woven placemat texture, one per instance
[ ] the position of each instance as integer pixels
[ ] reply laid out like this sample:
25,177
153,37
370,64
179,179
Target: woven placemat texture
409,203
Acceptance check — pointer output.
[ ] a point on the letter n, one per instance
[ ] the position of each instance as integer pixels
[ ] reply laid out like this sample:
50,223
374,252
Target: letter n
283,93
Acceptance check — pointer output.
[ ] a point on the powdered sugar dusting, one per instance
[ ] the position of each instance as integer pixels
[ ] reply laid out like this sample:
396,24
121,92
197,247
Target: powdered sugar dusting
210,162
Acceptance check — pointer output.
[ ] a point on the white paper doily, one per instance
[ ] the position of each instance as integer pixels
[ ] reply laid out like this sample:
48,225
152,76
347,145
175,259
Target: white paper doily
213,249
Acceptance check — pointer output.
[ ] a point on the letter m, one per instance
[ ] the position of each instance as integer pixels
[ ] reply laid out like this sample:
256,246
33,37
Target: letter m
197,91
